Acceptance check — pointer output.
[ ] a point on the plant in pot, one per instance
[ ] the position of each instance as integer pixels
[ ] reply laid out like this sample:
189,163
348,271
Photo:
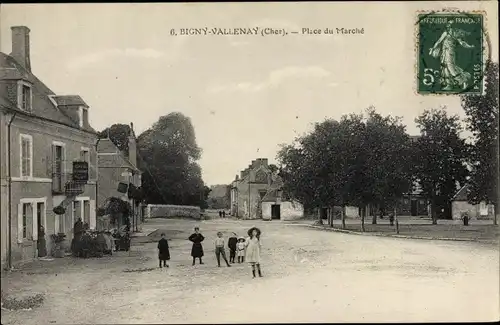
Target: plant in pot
58,239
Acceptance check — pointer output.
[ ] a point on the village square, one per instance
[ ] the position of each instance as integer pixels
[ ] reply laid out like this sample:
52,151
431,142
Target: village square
133,197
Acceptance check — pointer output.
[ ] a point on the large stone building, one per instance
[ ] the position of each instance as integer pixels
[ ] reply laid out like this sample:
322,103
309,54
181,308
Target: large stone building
256,194
45,137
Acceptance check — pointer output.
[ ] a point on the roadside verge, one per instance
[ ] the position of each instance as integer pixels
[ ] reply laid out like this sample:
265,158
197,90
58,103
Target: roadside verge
488,241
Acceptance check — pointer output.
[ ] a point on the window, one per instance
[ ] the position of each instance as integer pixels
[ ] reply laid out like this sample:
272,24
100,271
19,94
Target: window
57,167
26,207
24,96
85,117
76,210
26,155
85,155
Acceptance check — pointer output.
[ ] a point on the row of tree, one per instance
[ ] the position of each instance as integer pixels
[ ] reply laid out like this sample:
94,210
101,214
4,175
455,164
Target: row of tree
370,159
168,158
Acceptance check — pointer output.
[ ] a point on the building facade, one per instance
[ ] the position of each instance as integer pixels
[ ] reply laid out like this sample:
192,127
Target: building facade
44,136
115,168
256,194
460,205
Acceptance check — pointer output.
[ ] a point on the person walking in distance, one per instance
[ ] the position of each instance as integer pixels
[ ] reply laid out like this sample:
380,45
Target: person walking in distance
253,246
219,249
163,251
241,249
197,249
231,244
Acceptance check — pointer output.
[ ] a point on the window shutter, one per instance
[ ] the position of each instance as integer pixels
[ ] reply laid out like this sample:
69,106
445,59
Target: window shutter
35,221
29,163
53,164
92,223
20,223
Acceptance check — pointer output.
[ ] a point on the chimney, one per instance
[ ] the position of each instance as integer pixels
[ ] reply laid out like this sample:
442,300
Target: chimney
21,46
265,161
132,146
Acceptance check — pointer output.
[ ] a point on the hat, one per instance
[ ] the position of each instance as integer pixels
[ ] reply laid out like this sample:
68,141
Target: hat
252,229
241,238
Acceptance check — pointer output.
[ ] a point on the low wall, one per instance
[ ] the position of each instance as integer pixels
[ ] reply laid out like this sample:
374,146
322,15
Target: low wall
172,211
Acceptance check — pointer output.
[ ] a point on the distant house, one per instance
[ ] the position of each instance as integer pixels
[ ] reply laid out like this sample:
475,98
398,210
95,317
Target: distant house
118,169
277,206
459,205
256,194
44,136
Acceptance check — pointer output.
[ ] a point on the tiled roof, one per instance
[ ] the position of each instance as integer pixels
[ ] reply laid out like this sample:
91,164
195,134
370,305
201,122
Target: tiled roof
109,156
70,100
44,108
461,195
271,195
107,146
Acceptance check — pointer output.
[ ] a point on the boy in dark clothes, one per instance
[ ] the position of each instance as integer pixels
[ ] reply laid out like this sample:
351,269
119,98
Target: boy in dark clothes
231,243
163,251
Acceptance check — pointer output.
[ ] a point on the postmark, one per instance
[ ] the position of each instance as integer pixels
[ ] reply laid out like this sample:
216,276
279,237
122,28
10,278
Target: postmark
450,53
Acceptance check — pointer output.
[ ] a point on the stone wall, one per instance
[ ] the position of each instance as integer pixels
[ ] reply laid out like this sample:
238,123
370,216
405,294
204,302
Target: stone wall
172,211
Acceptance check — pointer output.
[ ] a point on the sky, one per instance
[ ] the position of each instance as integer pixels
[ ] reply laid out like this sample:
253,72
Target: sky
245,94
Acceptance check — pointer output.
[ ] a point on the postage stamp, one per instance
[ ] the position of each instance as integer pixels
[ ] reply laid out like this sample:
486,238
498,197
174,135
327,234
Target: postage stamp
450,53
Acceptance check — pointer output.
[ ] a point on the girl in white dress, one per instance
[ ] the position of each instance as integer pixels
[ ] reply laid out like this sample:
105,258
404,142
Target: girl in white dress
253,246
240,249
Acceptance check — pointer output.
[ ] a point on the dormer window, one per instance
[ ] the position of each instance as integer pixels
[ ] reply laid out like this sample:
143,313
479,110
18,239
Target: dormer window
24,98
83,116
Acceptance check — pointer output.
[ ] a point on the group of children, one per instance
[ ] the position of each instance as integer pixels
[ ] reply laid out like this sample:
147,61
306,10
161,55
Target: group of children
245,249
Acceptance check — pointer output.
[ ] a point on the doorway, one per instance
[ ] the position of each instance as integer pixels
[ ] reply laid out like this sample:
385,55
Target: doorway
414,207
275,212
41,250
324,213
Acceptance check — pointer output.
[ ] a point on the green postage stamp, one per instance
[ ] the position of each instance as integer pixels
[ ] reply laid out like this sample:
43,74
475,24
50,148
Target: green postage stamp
450,53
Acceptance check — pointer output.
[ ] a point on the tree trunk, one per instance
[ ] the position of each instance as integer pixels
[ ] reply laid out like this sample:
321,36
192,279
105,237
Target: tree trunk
374,218
331,217
319,221
397,221
433,212
363,211
342,217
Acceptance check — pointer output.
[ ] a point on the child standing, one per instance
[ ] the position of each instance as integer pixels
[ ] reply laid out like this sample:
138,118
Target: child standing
163,251
241,249
197,249
231,243
219,249
253,249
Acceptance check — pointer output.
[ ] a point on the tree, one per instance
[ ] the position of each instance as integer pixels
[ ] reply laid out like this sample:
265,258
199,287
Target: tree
118,134
169,154
388,147
356,161
440,158
482,121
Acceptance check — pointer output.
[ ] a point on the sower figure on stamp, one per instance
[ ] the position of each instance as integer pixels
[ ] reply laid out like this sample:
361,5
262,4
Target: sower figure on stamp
197,250
253,249
163,251
219,249
445,48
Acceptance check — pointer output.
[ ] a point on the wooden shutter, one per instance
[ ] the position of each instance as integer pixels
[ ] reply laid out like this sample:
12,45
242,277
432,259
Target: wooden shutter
20,223
92,207
35,221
